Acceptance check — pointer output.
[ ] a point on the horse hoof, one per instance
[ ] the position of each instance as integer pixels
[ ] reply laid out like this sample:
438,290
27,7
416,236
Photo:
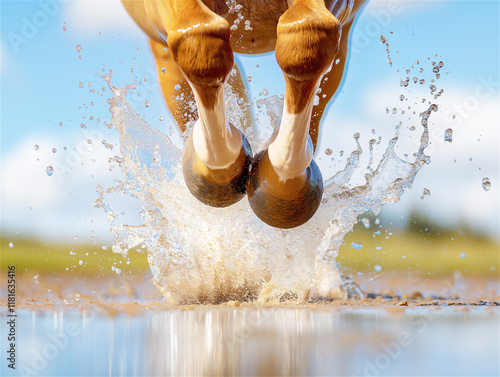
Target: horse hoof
216,187
283,204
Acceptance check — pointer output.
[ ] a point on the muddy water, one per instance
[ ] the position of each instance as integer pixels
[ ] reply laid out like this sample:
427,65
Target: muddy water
259,342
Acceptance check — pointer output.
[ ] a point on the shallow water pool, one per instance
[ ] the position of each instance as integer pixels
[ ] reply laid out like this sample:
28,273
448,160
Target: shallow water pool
438,341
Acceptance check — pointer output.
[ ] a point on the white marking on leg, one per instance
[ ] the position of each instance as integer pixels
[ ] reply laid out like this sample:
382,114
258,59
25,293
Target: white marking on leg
216,142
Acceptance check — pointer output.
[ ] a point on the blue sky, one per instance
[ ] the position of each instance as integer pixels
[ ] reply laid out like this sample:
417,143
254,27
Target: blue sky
41,70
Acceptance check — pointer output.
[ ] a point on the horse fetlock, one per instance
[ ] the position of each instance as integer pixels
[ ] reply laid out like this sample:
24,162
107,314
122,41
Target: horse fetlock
308,39
202,51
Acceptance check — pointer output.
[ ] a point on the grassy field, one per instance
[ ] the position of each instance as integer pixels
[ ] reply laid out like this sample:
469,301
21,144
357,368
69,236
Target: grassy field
416,250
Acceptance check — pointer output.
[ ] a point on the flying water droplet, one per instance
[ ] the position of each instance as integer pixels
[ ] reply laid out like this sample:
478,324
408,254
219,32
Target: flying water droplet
365,222
11,245
79,48
357,246
36,147
425,193
49,170
448,135
328,151
486,184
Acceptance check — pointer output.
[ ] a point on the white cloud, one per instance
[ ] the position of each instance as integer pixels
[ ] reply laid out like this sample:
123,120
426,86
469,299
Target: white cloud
57,206
90,17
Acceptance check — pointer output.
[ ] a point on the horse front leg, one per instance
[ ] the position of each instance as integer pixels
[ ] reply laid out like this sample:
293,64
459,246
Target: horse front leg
285,185
216,156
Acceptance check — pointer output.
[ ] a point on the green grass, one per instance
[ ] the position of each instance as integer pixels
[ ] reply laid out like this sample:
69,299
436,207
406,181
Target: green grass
34,257
422,251
413,250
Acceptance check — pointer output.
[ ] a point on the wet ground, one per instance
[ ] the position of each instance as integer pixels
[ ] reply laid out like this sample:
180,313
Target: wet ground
121,326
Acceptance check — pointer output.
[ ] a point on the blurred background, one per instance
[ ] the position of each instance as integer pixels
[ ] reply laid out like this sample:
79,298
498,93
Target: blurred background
56,147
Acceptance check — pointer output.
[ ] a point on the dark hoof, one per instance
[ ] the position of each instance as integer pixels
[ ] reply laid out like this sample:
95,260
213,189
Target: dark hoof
285,204
216,187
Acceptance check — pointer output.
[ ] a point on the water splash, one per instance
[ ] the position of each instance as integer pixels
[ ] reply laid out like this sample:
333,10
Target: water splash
201,254
383,40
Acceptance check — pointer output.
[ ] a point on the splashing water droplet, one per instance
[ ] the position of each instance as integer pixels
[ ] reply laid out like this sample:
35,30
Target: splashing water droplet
11,244
146,103
79,48
83,125
328,151
366,222
486,184
425,193
249,78
49,170
383,40
36,147
357,246
448,135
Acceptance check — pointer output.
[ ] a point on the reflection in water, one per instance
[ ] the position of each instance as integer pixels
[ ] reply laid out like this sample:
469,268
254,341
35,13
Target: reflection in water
250,342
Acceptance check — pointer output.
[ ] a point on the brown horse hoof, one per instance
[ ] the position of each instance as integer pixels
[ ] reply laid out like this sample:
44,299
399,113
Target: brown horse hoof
283,204
216,187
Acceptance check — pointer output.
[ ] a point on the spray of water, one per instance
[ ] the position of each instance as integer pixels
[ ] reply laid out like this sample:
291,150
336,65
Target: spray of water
200,254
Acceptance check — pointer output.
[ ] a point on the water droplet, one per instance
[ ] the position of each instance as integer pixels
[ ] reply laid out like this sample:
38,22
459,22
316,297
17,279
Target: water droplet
378,248
146,103
64,28
54,150
422,81
401,97
80,262
49,170
161,119
425,193
462,255
448,135
357,246
89,141
60,123
328,151
36,147
486,184
249,78
366,222
118,271
177,87
11,245
163,70
80,85
79,48
394,110
337,61
378,268
83,125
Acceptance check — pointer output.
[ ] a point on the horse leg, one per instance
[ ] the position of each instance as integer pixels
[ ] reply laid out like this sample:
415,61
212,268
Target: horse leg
216,157
285,185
